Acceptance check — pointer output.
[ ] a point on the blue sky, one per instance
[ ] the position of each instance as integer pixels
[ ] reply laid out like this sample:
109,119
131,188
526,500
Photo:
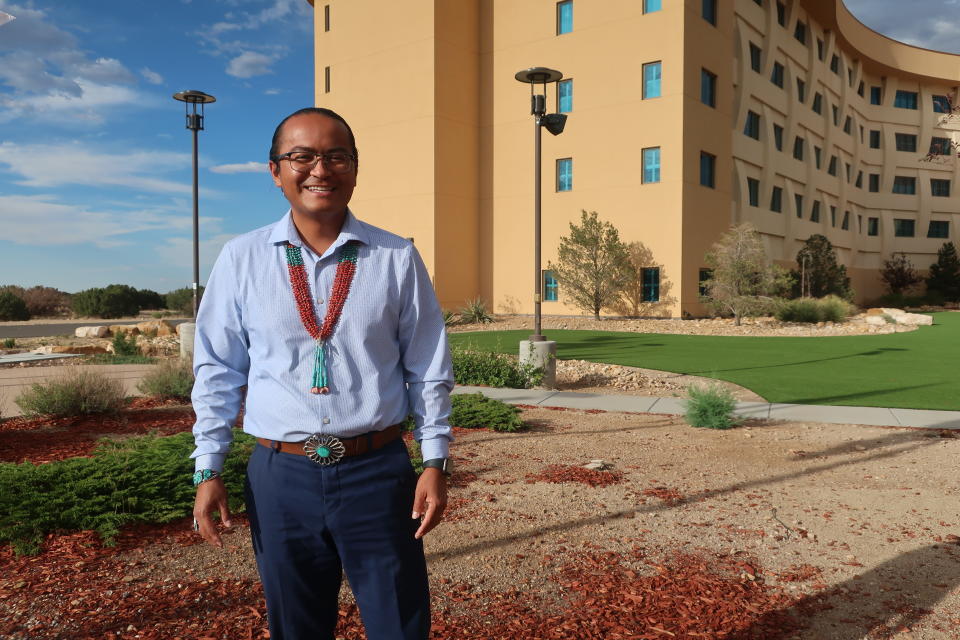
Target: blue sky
95,174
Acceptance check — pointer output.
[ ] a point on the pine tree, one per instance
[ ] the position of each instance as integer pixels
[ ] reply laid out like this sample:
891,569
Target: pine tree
818,273
944,275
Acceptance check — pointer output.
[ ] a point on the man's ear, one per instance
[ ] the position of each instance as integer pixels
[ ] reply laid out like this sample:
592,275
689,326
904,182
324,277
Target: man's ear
275,172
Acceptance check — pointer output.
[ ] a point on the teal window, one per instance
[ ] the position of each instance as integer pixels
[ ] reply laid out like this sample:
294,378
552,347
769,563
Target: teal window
939,146
708,88
778,137
874,139
819,49
906,142
874,183
651,165
798,148
564,17
708,169
860,89
938,229
649,6
551,288
752,126
815,211
753,192
905,99
800,32
776,76
798,201
651,80
650,278
817,105
755,53
941,104
564,174
836,114
776,199
709,11
565,96
940,187
904,184
859,183
876,95
847,169
873,226
903,228
801,90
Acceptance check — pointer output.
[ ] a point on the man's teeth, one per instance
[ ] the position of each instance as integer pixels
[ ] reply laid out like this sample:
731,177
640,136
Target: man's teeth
319,189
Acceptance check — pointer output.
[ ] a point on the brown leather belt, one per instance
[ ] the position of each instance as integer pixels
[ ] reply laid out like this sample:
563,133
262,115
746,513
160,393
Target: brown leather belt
352,446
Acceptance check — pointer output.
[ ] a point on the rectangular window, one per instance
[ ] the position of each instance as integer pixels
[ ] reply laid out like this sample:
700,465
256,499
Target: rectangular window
832,167
776,199
708,88
815,211
903,228
651,80
874,139
940,187
708,169
651,165
847,125
752,126
873,226
650,288
847,169
875,95
904,184
905,99
798,148
776,77
709,11
850,76
564,17
551,288
941,104
938,229
859,183
817,105
874,183
753,191
859,223
565,96
702,278
800,32
798,201
817,153
906,142
845,225
836,114
564,174
781,14
820,49
939,146
326,79
833,216
801,90
861,134
649,6
326,17
755,53
778,137
835,63
860,89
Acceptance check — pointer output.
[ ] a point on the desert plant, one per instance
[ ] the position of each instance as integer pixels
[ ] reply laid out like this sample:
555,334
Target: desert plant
475,312
710,406
492,369
125,344
944,277
12,307
476,411
9,343
827,309
450,318
171,379
835,309
77,393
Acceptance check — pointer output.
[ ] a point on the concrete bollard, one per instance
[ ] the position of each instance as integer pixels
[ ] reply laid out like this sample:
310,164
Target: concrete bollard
187,331
542,355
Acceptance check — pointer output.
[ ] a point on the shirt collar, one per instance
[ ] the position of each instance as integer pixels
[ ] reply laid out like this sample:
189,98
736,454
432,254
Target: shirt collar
352,229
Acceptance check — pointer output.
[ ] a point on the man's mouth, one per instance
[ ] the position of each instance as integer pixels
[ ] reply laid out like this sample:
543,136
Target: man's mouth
315,189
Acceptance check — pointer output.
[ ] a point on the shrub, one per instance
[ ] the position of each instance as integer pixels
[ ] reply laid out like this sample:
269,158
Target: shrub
475,312
710,407
12,307
492,370
835,309
171,379
10,343
450,318
828,309
181,300
148,299
112,301
77,393
125,344
476,411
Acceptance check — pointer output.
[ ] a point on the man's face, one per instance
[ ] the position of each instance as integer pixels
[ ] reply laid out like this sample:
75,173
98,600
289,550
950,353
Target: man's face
321,192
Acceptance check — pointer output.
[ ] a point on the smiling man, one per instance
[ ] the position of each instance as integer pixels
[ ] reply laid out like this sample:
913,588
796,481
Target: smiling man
333,328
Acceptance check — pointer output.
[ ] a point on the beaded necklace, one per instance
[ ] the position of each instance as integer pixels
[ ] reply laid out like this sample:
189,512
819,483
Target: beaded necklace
346,268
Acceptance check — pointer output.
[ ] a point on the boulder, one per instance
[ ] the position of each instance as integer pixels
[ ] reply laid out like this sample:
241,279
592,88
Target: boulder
91,332
158,327
914,319
124,328
876,321
75,349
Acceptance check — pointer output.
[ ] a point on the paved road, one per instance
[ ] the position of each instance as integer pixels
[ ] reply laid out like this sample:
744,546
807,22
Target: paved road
16,330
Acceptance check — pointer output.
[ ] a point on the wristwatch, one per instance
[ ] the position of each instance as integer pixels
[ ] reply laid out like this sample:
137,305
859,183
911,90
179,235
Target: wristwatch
444,464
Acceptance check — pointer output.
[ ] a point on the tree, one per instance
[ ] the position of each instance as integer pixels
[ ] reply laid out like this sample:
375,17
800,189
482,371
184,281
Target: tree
632,301
181,300
818,273
898,274
591,265
112,301
149,299
12,307
743,282
944,275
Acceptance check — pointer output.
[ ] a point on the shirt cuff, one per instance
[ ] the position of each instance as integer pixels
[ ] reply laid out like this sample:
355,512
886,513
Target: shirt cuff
435,448
209,461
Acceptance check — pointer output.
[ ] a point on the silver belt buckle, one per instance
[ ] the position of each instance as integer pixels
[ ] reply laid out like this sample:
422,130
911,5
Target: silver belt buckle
324,450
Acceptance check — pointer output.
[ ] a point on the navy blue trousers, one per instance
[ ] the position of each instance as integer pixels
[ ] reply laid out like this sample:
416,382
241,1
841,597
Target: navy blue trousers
310,524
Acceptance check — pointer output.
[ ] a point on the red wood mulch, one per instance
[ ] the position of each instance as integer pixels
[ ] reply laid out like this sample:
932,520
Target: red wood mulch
563,473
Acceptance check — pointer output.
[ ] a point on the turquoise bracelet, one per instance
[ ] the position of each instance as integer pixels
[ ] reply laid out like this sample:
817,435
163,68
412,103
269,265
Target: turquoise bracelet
203,475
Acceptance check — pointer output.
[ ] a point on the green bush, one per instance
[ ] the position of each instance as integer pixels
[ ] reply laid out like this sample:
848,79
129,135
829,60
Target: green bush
9,343
181,300
74,394
112,301
476,411
835,309
450,318
12,307
125,344
828,309
710,406
171,379
475,312
492,370
145,479
148,299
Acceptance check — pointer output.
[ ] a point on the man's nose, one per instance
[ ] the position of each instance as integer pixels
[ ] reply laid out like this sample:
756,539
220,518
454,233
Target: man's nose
320,169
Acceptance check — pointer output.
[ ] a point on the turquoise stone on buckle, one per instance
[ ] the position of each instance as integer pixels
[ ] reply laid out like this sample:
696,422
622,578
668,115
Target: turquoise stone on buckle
324,450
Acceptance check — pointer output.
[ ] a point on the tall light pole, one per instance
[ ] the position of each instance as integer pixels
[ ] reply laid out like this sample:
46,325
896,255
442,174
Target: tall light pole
538,350
195,123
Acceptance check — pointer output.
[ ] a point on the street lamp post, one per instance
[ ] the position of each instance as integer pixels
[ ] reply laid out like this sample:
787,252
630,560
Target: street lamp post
195,123
539,351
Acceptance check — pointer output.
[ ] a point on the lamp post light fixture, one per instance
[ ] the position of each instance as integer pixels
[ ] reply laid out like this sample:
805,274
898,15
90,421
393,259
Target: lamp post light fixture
195,123
538,350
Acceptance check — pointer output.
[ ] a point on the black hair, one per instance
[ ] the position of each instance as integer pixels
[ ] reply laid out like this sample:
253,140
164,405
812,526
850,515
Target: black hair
322,111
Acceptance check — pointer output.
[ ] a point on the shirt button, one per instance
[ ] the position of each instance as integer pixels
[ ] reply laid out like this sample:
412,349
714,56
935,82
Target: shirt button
319,300
326,421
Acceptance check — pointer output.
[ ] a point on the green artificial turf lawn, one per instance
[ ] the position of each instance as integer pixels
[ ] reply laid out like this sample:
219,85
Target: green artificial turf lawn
915,370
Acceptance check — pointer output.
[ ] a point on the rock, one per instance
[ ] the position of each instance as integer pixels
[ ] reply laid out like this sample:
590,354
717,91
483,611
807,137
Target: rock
157,327
875,311
76,349
91,332
877,321
914,319
123,329
598,465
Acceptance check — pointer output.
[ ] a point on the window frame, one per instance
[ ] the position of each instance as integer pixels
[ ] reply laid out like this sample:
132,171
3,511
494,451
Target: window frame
647,82
561,5
753,192
873,226
566,82
549,286
906,142
708,84
906,100
939,224
902,225
650,291
559,183
711,167
647,9
654,179
905,185
708,11
940,187
751,128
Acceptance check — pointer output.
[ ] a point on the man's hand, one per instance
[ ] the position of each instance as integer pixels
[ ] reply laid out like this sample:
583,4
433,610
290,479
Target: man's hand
429,500
211,496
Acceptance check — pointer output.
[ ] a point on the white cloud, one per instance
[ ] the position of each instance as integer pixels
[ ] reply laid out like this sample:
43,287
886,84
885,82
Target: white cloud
249,64
272,92
151,76
244,167
91,106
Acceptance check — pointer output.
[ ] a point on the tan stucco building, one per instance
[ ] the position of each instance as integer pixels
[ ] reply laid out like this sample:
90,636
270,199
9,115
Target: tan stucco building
685,116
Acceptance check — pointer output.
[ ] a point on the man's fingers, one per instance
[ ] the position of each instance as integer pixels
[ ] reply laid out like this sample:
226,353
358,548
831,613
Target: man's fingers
225,514
430,520
208,530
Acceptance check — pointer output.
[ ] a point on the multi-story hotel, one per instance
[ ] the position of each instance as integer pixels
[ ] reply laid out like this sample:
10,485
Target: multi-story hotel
685,117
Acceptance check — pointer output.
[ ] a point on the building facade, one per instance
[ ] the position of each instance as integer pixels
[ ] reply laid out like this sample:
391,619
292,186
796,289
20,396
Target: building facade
685,117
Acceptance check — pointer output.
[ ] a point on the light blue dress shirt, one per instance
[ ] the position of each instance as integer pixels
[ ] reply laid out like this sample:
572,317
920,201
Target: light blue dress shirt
387,358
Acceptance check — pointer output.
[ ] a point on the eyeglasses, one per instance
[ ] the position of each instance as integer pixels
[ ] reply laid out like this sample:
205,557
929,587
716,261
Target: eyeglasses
305,161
